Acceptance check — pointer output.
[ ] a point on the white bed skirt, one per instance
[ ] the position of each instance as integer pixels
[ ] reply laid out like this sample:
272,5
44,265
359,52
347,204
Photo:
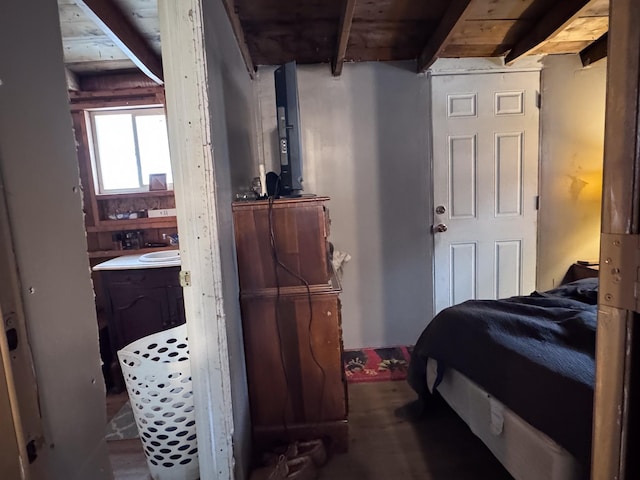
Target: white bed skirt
525,452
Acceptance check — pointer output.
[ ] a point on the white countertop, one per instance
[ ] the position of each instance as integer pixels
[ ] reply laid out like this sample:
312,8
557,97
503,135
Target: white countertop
133,262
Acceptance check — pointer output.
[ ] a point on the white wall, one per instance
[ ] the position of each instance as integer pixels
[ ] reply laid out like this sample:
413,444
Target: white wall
233,122
365,145
572,141
40,171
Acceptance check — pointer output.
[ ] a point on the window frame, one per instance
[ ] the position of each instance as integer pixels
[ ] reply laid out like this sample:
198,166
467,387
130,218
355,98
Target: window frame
135,111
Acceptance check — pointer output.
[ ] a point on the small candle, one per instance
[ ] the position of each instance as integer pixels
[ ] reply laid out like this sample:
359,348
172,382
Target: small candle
263,180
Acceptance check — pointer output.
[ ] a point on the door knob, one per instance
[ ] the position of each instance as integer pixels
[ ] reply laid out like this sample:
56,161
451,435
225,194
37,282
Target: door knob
441,227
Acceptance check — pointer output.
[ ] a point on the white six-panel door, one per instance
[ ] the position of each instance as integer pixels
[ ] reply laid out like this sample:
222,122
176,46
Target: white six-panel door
485,171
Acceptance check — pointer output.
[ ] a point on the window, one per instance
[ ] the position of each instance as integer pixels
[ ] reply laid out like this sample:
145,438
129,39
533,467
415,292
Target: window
128,146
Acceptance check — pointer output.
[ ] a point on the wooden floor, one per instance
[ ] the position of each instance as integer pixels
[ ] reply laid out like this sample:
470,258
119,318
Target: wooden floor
382,446
127,457
127,460
115,403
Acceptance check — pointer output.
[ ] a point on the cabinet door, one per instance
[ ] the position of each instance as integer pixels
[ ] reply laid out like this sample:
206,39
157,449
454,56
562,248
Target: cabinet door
176,305
142,302
137,311
293,359
299,233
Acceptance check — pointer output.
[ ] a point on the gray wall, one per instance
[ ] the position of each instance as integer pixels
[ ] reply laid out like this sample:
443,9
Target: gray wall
40,171
233,122
365,139
572,140
365,144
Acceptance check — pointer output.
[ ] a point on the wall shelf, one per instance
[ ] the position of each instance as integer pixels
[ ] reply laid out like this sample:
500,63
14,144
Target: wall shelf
120,196
136,224
121,253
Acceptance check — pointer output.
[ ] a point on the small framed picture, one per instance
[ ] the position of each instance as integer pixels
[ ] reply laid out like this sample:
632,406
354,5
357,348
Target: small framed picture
157,181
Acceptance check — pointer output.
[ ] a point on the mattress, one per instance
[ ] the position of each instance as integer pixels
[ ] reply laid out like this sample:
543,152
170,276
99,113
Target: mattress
525,452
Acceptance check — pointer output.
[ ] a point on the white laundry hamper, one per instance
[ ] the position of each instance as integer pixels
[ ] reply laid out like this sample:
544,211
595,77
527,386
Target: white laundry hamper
157,372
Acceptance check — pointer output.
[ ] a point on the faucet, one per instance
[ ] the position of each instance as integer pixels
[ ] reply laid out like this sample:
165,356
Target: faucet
173,239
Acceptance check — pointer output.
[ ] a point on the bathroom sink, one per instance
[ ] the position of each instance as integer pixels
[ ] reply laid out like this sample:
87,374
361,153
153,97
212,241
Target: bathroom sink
164,256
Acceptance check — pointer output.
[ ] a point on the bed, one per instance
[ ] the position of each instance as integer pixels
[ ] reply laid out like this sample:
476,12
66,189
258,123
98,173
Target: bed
520,372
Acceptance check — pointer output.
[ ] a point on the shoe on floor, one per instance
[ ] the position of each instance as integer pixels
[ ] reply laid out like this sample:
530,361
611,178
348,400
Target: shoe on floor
278,470
302,468
314,449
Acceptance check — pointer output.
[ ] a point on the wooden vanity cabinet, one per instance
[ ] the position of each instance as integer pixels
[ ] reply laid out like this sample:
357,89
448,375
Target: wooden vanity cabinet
139,303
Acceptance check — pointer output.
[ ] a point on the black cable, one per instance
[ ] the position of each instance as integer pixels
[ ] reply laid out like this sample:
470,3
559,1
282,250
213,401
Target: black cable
313,355
274,256
309,301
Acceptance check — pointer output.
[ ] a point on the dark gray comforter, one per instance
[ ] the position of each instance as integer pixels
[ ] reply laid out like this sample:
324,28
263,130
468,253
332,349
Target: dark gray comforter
535,354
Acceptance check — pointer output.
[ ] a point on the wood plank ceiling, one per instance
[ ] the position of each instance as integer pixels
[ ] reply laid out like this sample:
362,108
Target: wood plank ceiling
272,32
89,49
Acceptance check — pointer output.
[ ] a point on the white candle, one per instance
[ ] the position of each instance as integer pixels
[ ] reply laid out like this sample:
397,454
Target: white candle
263,179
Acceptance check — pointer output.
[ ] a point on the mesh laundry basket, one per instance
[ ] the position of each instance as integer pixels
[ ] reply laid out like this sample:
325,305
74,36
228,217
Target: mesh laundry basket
157,373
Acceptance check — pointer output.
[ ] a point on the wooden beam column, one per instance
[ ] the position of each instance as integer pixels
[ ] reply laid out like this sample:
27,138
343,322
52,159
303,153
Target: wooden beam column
115,25
346,19
554,21
616,428
455,15
595,52
232,13
72,80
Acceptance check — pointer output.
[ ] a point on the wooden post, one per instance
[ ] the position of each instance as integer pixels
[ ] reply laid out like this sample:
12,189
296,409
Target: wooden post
229,6
595,52
618,339
344,29
115,25
194,172
455,15
555,20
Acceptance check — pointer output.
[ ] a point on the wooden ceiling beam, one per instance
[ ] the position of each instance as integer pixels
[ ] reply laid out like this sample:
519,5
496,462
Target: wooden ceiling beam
115,25
73,84
595,52
236,26
344,30
455,15
555,20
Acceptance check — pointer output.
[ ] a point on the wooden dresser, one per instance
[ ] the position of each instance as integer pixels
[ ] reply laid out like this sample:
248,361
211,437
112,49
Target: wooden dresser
292,330
580,270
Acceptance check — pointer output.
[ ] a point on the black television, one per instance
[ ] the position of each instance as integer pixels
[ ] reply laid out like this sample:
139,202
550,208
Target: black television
289,135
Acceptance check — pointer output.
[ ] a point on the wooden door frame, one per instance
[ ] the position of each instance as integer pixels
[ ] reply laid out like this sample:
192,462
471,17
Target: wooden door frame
618,340
20,377
193,164
13,454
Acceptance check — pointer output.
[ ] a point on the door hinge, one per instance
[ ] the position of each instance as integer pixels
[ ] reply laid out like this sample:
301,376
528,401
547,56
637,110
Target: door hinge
539,99
185,278
537,202
619,283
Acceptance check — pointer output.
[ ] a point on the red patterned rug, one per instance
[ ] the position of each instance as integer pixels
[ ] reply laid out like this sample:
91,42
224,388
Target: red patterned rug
376,364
